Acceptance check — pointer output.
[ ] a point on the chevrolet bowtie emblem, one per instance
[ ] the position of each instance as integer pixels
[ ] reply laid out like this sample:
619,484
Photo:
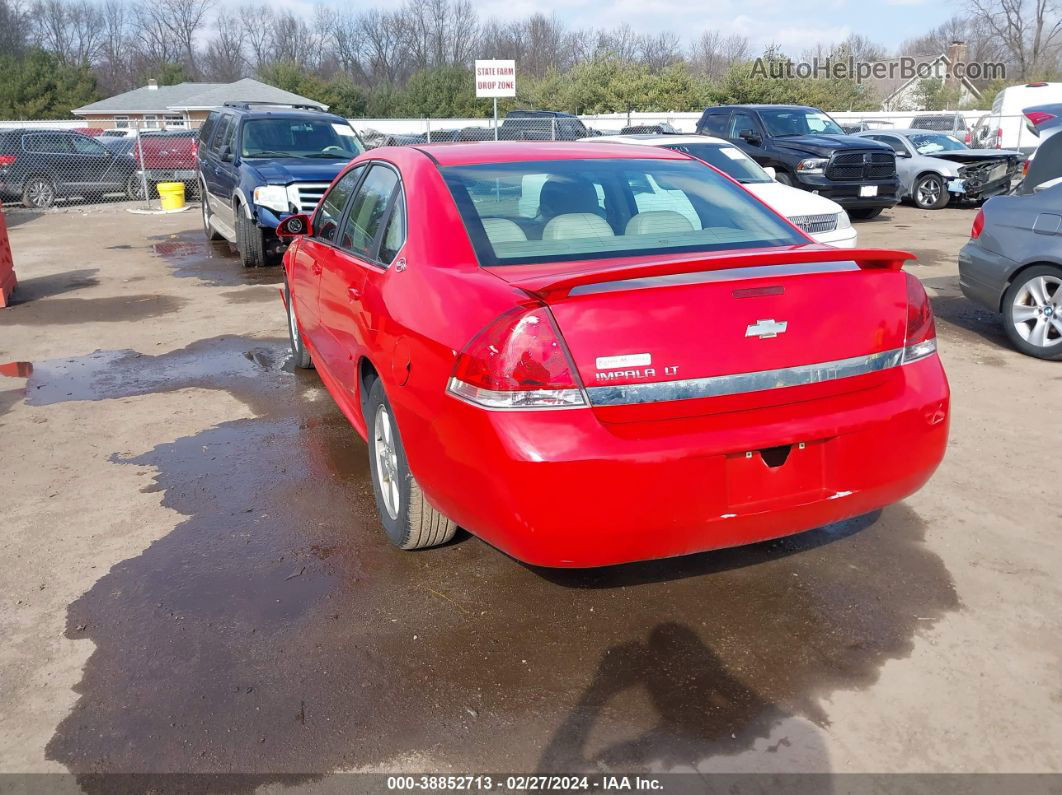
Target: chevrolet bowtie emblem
766,329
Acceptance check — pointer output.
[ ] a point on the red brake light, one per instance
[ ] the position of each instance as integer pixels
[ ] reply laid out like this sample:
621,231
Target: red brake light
517,362
999,138
1038,116
921,338
7,160
978,225
1036,85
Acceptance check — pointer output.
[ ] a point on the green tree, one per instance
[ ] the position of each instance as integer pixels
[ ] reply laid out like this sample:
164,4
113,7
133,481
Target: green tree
38,86
441,92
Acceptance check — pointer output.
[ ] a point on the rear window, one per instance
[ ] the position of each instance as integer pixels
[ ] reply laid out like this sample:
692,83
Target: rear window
728,159
551,211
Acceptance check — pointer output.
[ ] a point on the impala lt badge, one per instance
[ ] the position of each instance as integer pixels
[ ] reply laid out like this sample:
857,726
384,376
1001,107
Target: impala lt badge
766,329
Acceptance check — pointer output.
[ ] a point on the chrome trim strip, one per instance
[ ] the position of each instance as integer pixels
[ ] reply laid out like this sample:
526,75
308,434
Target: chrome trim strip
741,383
724,275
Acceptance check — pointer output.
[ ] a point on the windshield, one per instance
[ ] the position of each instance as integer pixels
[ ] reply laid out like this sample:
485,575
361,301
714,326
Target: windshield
280,137
728,159
797,121
552,211
930,143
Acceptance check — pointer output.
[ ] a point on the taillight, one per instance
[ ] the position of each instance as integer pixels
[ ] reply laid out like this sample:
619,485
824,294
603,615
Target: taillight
518,362
1037,117
1025,169
7,160
968,139
999,138
921,338
978,225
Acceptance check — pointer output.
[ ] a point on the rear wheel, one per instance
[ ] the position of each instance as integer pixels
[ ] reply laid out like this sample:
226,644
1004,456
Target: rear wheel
865,213
299,353
1032,312
408,519
930,193
38,193
250,241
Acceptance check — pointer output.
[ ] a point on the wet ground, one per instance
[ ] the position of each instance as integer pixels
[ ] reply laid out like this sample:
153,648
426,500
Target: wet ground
202,584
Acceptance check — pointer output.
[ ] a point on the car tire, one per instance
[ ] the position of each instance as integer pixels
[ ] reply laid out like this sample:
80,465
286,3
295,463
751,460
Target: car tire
407,517
299,353
134,187
250,241
1032,312
210,232
865,213
38,192
783,178
930,192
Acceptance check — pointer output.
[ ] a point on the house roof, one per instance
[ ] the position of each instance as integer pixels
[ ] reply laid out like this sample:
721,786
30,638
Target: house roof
887,88
193,96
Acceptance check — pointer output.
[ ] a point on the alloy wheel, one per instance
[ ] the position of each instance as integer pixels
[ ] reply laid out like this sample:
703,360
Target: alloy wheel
386,461
929,192
40,193
1037,311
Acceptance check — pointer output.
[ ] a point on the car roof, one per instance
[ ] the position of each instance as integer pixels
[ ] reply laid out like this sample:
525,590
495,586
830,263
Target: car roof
486,152
902,132
764,106
658,139
280,111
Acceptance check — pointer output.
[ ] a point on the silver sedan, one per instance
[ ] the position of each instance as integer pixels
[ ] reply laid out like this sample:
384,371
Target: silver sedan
935,167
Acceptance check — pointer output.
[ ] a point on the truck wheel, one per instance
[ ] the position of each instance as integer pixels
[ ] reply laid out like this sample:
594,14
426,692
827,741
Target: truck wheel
249,241
865,213
783,178
930,193
211,233
38,193
1032,312
409,521
299,353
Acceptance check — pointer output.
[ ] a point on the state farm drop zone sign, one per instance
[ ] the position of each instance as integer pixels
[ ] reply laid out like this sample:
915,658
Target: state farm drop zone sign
495,78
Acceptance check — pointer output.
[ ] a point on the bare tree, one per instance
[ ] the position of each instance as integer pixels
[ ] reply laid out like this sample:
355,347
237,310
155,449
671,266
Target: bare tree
225,57
713,53
72,29
660,51
1030,31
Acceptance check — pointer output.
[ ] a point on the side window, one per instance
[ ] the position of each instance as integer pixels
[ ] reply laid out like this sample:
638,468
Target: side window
367,211
49,144
739,123
86,146
326,221
715,123
891,140
221,134
208,127
230,138
395,233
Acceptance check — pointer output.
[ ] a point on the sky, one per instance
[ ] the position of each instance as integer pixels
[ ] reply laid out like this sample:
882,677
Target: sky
793,24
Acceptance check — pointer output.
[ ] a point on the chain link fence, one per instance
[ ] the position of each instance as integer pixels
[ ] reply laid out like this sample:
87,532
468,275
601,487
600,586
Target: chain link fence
46,164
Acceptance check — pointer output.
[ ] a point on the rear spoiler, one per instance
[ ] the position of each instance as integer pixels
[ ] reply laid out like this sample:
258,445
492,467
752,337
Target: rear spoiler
545,283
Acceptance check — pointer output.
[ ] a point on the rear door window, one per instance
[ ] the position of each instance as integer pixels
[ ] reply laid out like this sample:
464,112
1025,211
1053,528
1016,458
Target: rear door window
363,225
221,134
715,123
86,146
208,128
47,144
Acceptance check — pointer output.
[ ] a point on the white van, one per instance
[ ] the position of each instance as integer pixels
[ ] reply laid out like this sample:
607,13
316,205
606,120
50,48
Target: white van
1004,127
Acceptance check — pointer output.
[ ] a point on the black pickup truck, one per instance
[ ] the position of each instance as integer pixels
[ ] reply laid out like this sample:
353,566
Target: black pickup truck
809,150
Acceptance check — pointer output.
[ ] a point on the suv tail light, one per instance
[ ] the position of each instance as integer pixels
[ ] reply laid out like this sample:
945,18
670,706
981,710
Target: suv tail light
921,338
1038,117
7,160
978,224
518,362
999,139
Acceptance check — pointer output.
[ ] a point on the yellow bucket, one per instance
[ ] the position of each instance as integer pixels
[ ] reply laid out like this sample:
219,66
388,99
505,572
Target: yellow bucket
171,195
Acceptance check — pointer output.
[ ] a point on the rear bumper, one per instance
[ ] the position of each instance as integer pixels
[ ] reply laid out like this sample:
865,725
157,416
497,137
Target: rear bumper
984,275
564,489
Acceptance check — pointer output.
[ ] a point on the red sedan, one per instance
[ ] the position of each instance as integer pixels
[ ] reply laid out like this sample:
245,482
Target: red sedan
588,355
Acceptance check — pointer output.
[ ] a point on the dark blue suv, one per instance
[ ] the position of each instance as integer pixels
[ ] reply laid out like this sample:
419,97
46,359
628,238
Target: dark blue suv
259,163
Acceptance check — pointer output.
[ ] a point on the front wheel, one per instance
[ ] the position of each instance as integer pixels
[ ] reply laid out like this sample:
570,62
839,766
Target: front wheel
408,519
250,241
1032,312
134,187
930,192
299,354
865,213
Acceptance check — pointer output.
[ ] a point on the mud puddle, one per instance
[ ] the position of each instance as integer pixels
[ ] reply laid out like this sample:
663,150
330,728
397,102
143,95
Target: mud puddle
191,255
273,631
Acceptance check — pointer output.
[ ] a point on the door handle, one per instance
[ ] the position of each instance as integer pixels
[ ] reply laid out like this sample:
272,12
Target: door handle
353,294
316,269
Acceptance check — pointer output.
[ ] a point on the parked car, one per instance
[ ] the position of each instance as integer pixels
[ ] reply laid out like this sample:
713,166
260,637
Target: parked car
1006,124
544,369
167,156
540,125
824,220
954,123
1045,165
850,127
935,167
1013,262
1044,121
646,129
809,150
259,163
41,166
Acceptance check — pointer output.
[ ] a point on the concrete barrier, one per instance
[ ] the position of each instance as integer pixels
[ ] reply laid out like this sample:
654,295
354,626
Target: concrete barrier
7,265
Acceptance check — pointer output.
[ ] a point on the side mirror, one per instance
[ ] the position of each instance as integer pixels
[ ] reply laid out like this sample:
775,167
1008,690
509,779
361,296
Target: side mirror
749,137
903,154
294,226
770,172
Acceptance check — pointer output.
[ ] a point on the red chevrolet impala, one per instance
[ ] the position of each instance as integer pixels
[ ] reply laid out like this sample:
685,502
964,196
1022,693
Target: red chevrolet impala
588,355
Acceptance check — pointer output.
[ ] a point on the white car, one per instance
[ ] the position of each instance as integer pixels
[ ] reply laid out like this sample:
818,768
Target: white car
823,219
